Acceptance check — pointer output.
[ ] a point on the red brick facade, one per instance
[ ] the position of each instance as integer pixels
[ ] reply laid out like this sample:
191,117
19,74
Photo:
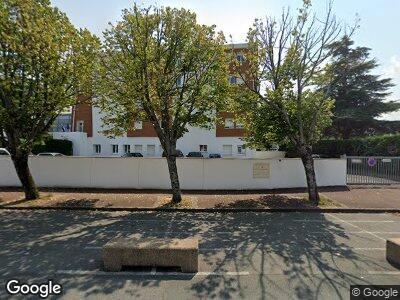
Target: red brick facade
83,112
146,131
221,131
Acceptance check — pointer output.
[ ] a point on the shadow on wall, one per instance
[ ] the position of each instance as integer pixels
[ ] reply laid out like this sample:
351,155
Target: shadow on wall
262,244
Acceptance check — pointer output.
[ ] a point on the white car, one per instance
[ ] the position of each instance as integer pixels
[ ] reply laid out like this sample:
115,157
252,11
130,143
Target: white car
50,154
4,151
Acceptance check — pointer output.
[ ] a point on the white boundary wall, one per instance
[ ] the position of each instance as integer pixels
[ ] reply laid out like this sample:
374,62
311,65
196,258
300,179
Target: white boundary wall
152,173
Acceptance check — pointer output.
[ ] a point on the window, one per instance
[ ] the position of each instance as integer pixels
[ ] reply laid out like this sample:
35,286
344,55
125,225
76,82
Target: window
227,150
138,148
240,57
274,147
62,124
138,125
239,125
232,80
179,82
97,148
127,148
241,149
79,126
114,149
203,148
151,150
229,123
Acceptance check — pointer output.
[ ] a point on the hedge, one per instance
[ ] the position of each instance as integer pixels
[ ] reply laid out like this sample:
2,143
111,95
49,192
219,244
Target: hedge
54,145
378,145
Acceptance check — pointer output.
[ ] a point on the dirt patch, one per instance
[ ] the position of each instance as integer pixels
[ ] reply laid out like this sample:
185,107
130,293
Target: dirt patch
77,203
187,202
75,198
277,201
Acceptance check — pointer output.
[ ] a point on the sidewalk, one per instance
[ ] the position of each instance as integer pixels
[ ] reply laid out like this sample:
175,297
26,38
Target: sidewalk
337,197
367,197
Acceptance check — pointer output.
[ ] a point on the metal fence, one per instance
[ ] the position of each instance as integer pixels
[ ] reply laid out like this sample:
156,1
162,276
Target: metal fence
373,170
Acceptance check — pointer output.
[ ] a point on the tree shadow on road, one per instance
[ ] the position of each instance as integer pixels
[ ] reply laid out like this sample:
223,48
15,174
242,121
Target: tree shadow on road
253,255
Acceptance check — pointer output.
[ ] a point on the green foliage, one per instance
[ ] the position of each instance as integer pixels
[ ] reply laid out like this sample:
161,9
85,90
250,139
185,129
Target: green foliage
54,145
284,60
44,63
380,145
359,95
161,65
265,125
281,104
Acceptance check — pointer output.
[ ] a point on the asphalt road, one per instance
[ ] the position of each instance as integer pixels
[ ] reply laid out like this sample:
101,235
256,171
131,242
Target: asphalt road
242,255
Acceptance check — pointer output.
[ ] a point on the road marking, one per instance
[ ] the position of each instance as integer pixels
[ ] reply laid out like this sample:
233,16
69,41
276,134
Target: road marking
263,249
346,221
349,232
139,231
201,249
384,272
159,274
164,233
390,232
362,249
361,229
103,273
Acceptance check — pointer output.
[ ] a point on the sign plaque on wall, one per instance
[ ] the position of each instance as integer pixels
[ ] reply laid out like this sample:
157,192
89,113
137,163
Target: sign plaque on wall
261,170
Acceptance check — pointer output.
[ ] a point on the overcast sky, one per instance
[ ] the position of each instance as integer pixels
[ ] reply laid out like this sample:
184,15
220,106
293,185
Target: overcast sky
379,26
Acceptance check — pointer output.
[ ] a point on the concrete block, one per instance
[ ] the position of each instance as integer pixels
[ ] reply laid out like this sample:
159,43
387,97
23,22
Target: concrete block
393,251
153,252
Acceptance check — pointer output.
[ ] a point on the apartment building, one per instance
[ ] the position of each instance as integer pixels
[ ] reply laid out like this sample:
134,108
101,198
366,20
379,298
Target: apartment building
88,138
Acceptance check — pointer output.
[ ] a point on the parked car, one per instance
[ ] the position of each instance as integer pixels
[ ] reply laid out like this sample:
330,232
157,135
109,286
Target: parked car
214,155
133,154
50,154
194,154
178,153
4,151
319,156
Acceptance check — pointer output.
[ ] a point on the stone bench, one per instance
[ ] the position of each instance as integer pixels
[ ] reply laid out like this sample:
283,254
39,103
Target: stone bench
151,252
393,251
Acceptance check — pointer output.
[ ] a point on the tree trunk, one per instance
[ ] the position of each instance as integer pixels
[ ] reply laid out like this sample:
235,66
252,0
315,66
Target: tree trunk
308,163
347,128
21,166
173,175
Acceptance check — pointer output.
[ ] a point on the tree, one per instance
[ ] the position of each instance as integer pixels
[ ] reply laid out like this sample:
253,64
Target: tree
44,63
282,103
359,95
160,65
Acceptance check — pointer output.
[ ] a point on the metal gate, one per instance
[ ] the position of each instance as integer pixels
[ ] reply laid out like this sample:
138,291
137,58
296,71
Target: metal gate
373,170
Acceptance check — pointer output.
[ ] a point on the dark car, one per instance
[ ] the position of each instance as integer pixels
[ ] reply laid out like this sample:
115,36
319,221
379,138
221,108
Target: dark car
133,154
178,153
194,154
50,154
4,151
214,155
319,156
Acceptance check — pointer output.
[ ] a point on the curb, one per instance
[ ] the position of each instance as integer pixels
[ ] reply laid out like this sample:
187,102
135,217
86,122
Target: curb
209,210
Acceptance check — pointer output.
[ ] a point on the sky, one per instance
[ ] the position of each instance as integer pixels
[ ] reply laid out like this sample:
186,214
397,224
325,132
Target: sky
379,22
